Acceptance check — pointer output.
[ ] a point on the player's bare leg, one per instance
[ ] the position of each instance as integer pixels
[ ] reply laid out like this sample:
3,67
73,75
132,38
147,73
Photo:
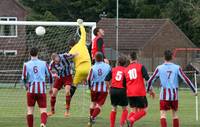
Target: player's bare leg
68,100
175,118
30,117
124,116
53,102
113,116
163,122
43,117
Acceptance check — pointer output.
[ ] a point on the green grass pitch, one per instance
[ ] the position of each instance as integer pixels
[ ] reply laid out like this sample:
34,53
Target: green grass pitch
13,111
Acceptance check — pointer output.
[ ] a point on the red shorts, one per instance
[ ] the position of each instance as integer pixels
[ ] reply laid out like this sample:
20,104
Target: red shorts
62,81
167,105
40,98
98,97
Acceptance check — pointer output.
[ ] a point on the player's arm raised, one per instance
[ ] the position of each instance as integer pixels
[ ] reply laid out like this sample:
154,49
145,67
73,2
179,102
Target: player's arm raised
24,76
83,32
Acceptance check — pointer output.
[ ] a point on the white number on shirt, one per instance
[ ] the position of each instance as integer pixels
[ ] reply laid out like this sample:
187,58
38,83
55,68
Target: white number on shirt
118,76
132,73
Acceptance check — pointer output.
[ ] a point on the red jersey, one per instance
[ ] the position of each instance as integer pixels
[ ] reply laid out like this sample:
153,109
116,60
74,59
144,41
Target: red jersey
118,77
134,80
95,46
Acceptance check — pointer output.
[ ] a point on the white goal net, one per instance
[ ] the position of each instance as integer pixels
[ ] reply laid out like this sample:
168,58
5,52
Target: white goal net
16,38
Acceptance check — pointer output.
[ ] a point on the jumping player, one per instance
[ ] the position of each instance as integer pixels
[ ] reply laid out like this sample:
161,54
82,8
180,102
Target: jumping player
33,76
116,80
61,69
82,59
169,74
135,74
98,87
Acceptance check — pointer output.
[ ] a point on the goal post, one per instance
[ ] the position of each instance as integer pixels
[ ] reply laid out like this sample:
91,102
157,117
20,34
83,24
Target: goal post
16,38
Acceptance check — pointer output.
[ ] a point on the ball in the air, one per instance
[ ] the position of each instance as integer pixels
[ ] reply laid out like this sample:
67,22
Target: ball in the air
40,30
79,21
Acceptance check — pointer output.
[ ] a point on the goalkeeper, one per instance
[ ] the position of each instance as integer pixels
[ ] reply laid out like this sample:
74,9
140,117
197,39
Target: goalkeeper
82,59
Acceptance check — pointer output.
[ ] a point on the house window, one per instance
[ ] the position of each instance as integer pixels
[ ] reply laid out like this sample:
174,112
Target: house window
8,30
9,53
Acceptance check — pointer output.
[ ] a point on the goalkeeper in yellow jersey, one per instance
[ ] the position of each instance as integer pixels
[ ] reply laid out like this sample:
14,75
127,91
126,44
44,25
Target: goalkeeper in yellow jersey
81,60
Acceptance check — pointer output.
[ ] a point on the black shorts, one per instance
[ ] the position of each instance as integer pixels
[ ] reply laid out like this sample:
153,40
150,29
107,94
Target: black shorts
138,102
118,97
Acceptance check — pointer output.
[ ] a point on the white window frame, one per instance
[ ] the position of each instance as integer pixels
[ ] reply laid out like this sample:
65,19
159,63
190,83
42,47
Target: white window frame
1,51
8,19
10,51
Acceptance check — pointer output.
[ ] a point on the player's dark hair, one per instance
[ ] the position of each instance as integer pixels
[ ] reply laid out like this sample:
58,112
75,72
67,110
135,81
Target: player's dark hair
168,55
99,57
34,51
96,30
121,61
133,55
72,42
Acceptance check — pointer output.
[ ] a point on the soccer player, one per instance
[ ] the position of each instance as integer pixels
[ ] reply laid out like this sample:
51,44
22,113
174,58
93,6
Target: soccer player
98,87
98,44
116,80
135,74
169,74
33,76
61,69
82,59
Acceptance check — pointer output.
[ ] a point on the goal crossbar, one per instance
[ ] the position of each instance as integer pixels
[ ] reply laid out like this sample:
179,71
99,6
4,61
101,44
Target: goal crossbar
45,23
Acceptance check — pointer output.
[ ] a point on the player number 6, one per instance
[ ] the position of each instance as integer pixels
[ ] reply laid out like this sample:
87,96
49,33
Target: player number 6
35,69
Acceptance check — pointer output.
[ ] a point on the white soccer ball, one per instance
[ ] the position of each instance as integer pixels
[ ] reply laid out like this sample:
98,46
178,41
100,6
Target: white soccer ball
40,30
79,21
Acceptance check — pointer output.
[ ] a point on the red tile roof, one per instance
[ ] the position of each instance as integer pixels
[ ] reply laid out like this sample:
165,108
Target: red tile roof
132,32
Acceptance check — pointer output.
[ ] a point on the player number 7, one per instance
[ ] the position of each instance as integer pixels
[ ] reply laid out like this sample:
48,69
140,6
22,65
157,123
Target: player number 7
169,74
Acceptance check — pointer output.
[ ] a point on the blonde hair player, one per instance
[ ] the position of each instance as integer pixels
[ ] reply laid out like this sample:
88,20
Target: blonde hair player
82,59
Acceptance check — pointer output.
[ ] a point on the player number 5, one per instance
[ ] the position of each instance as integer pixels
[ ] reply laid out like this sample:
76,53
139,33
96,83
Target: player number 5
132,73
118,76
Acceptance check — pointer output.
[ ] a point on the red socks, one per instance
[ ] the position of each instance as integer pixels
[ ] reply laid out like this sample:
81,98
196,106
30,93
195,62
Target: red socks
137,116
43,118
123,116
53,101
131,114
176,122
96,112
29,120
112,118
163,122
91,111
68,100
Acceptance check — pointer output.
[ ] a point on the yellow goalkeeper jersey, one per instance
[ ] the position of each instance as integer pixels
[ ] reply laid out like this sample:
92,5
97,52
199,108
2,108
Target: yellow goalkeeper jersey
81,49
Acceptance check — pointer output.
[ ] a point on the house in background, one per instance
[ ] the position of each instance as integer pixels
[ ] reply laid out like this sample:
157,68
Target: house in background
12,37
148,37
